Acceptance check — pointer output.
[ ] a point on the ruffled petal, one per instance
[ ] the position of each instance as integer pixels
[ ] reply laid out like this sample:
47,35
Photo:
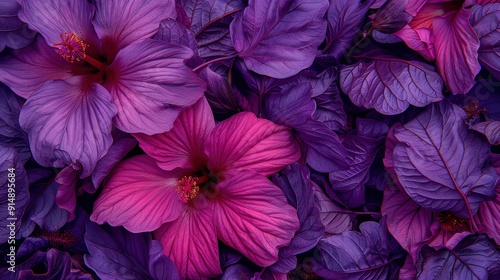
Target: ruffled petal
150,85
252,215
52,18
138,196
456,45
68,124
119,23
191,243
29,68
183,146
245,142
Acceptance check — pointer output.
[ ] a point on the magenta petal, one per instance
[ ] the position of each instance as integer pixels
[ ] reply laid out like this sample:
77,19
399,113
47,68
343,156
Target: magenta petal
55,17
150,85
67,181
252,216
418,40
120,23
138,196
456,45
191,243
29,68
183,146
67,124
247,142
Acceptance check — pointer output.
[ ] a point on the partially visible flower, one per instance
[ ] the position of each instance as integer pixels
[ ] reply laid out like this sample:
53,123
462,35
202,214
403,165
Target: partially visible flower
199,183
440,31
94,67
13,32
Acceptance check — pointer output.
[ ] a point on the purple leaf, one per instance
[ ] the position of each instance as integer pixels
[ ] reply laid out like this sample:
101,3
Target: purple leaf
486,218
475,257
440,164
236,271
298,189
116,253
344,20
391,17
13,32
335,218
54,263
279,38
14,192
42,209
410,224
11,134
369,254
490,129
390,84
210,21
292,107
349,185
330,109
219,94
486,22
171,31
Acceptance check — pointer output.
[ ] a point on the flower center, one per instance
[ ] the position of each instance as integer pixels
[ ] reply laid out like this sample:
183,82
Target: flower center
188,188
474,109
450,222
72,48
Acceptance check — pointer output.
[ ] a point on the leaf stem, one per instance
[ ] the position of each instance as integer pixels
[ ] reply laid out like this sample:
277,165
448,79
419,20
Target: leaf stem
205,64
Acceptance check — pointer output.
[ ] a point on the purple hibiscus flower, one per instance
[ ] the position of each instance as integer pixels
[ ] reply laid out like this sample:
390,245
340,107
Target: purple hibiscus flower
199,183
94,66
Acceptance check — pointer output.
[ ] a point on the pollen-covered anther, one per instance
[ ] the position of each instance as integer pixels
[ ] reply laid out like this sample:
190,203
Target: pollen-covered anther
71,48
188,188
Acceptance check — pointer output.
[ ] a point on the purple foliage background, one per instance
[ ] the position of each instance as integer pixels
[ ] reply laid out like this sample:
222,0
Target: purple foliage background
250,139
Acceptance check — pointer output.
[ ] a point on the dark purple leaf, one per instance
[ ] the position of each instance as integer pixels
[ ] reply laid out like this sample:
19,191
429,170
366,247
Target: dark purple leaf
335,218
369,254
228,256
440,164
210,21
219,94
490,129
486,22
475,257
390,84
116,253
31,245
13,32
237,271
291,107
330,109
485,93
42,209
11,134
279,38
171,31
298,189
391,17
487,218
55,264
344,20
349,185
14,192
410,224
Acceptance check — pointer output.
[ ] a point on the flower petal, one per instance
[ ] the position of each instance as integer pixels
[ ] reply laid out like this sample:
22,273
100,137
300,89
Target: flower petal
456,45
119,23
191,243
247,142
138,196
150,84
67,124
29,68
183,146
52,18
252,215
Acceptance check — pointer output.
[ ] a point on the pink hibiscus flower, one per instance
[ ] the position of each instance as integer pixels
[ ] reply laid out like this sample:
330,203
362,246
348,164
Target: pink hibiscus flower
440,31
199,183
